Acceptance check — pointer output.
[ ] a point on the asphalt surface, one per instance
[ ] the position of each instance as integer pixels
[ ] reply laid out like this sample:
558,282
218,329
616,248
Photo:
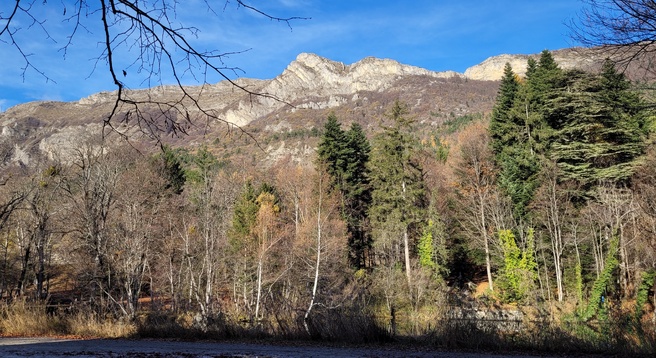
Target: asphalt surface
53,347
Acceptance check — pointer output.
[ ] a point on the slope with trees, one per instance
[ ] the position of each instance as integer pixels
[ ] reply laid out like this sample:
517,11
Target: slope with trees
542,214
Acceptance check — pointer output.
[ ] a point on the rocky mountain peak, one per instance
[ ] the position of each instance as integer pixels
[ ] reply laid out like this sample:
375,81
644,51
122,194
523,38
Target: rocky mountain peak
368,74
316,82
310,87
492,68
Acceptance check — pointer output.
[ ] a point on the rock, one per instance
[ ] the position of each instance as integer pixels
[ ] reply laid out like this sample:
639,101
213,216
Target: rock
492,68
309,82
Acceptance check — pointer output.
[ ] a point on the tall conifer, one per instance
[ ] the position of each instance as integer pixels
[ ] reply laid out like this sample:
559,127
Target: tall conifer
519,134
357,194
345,156
501,127
398,192
599,129
331,149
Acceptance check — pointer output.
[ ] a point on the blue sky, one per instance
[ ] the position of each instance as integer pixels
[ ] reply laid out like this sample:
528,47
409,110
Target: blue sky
435,34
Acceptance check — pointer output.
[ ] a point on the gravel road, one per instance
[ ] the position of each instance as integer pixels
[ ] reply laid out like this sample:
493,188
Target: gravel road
50,347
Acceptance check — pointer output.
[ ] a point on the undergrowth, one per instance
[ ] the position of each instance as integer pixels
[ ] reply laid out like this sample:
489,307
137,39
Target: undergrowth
608,333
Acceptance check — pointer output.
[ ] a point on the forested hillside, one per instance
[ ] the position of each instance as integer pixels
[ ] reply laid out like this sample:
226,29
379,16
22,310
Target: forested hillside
533,226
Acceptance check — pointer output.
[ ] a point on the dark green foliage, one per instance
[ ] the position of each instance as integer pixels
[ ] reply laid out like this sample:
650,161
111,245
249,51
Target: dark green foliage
591,126
501,127
518,176
345,156
245,214
519,131
598,130
356,193
332,149
169,163
456,124
201,165
398,191
298,133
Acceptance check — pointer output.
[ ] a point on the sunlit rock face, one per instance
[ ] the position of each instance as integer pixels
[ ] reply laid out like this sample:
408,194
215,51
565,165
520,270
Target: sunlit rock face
492,68
315,82
295,101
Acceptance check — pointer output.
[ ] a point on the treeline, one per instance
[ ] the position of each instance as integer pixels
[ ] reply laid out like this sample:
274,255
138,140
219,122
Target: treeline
547,204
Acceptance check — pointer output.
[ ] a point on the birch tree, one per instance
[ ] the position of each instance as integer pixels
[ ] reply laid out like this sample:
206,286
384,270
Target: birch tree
477,191
324,247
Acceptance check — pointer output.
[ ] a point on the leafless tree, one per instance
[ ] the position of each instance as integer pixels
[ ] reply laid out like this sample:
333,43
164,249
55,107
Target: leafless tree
90,189
553,204
477,191
611,215
154,40
624,29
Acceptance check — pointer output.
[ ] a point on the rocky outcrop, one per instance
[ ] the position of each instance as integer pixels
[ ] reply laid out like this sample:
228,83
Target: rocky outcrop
316,76
310,77
492,68
308,88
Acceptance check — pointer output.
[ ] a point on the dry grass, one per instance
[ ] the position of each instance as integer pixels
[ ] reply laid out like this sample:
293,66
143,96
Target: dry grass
25,319
21,318
88,325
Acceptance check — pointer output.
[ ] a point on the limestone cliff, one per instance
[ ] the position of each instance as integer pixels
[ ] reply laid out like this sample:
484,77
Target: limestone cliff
311,77
277,112
492,68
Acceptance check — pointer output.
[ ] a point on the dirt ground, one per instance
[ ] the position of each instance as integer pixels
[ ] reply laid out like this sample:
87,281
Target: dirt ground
51,347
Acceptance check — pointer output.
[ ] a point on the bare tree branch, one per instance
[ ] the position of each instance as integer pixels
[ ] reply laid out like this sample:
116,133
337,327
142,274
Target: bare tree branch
624,30
150,32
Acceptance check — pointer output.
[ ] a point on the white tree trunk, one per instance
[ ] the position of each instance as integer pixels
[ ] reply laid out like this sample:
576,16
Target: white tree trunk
258,288
316,267
486,241
406,246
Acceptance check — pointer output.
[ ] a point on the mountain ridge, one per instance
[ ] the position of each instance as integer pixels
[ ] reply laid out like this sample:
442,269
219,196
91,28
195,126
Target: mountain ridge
310,87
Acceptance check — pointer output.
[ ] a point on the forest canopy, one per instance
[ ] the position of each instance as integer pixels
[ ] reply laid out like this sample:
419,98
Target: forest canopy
543,207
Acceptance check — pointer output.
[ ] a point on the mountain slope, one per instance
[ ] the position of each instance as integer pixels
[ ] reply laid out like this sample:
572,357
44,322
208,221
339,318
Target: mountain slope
296,101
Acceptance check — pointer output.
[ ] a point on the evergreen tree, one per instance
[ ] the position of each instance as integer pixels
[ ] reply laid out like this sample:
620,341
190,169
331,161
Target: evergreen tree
169,165
599,129
245,212
519,134
331,149
356,192
501,127
398,194
243,217
345,156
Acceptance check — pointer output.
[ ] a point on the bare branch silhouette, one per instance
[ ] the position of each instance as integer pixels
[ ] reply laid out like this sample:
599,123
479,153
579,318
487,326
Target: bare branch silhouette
160,44
624,30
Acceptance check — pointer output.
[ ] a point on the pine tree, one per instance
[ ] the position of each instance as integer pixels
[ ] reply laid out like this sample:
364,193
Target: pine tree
345,156
357,195
398,193
243,217
519,134
169,165
501,127
331,149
